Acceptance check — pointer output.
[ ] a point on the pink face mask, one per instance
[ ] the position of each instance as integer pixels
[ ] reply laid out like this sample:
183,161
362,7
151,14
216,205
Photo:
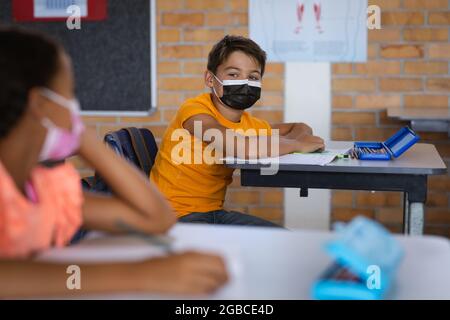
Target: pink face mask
61,143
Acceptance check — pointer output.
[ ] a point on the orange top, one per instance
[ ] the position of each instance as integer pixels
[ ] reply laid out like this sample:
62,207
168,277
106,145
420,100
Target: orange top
198,186
28,226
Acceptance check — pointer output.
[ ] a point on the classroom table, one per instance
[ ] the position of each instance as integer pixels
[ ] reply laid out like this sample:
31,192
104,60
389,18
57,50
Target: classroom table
268,263
407,174
424,119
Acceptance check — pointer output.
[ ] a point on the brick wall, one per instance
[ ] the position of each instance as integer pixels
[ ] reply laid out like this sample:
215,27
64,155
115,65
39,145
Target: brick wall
408,67
186,31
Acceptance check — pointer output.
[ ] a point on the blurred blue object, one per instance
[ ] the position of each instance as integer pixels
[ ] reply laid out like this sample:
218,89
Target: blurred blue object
366,258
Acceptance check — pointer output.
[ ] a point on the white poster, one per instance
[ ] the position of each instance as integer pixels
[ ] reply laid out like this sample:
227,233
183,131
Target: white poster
310,30
58,8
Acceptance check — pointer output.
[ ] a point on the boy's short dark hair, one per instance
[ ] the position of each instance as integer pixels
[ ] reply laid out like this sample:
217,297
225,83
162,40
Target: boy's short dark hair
229,44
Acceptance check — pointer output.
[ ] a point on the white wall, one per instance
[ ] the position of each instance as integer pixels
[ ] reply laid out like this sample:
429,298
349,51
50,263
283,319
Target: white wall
308,99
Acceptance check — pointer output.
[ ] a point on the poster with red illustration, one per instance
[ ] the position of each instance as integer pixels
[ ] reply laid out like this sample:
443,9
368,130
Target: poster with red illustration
58,10
310,30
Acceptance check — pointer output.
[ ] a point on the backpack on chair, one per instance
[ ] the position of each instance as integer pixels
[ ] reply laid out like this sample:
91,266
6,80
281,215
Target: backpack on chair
138,146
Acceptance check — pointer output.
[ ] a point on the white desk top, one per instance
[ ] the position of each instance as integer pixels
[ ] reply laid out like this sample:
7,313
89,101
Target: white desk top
267,263
421,158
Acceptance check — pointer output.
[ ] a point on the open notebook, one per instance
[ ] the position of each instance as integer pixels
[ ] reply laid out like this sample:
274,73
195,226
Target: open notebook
314,158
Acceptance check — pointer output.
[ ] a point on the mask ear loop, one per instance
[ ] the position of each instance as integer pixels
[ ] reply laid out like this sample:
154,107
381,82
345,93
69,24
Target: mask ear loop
47,123
214,89
218,80
72,105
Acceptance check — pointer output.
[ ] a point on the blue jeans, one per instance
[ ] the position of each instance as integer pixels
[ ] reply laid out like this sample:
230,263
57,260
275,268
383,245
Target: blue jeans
226,217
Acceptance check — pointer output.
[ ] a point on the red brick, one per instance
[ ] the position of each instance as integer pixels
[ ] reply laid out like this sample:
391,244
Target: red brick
243,197
435,199
353,118
163,5
422,67
384,35
372,133
347,214
342,198
181,83
401,84
402,18
168,35
203,35
439,183
181,51
386,4
353,84
439,51
440,18
425,34
390,215
183,19
341,134
425,4
342,68
342,101
205,5
169,67
378,101
272,214
402,51
378,67
426,101
438,84
435,215
272,197
238,5
379,199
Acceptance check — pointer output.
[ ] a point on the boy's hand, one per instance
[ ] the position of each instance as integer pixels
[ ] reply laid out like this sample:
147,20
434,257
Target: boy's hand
311,138
184,273
310,146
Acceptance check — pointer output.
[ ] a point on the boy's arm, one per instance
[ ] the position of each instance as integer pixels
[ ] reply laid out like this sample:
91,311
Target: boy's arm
230,148
293,130
298,131
135,202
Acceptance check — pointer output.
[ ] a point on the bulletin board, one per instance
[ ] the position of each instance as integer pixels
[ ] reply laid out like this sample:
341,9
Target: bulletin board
114,59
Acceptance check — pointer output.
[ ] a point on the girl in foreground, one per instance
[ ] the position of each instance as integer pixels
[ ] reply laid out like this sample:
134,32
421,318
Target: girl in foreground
43,207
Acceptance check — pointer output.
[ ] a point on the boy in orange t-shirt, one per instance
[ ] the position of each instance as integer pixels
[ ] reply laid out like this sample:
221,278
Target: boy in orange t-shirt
196,186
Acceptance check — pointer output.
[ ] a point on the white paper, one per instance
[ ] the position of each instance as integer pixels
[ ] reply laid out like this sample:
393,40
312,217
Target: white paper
58,8
310,30
315,158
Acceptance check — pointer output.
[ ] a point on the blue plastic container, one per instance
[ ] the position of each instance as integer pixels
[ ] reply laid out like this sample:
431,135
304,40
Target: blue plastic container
393,147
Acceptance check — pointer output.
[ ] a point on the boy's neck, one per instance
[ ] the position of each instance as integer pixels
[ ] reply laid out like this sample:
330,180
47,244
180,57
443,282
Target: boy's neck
230,114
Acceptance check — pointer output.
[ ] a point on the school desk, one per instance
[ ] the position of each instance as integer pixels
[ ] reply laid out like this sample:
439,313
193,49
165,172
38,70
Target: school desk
268,263
407,174
424,119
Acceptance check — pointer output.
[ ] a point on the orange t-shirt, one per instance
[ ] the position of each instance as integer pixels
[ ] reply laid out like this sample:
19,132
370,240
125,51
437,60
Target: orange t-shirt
196,187
52,220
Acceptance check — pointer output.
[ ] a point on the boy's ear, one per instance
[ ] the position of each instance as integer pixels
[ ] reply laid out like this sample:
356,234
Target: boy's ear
209,79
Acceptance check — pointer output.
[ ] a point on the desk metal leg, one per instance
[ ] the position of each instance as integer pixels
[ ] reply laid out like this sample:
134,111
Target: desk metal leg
405,213
416,218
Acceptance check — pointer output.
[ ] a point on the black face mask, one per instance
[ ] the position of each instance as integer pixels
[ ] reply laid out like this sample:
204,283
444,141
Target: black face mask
239,94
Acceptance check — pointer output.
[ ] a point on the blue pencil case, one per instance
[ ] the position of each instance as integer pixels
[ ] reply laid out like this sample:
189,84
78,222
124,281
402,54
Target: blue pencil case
393,147
365,260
